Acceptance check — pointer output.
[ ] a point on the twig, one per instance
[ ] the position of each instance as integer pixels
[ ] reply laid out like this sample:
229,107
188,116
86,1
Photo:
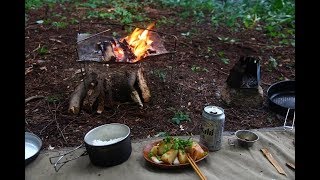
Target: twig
33,51
68,125
220,71
92,36
33,98
55,119
185,44
45,127
115,112
189,86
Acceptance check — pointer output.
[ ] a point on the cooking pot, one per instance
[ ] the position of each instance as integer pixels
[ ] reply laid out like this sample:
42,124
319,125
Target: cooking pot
281,99
106,145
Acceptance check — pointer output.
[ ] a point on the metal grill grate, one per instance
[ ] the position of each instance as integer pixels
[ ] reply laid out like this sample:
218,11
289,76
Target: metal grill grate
286,100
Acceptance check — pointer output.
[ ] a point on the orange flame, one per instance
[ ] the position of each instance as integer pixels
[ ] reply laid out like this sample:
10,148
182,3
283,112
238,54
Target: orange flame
140,42
119,53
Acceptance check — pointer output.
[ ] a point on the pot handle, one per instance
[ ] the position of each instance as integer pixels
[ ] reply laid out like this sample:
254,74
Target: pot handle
56,167
285,121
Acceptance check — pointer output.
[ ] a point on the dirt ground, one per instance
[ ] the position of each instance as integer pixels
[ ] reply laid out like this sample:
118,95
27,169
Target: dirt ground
172,82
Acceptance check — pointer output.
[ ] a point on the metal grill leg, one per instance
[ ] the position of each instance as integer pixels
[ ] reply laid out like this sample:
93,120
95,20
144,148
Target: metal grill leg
285,121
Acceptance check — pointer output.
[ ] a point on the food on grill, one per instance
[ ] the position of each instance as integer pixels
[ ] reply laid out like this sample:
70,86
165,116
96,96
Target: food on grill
172,150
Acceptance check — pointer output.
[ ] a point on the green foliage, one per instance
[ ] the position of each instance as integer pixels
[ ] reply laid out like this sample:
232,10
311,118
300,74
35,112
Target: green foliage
164,21
276,16
73,21
59,25
54,98
160,73
227,39
35,4
124,11
199,69
43,50
222,57
179,116
178,143
273,64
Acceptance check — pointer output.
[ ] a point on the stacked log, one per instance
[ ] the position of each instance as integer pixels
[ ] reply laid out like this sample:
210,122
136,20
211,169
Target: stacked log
100,90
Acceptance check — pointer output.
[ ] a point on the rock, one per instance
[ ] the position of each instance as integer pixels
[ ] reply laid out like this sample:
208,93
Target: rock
242,97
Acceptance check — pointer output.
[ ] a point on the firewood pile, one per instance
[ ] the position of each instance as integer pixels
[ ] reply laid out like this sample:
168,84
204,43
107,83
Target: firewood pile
99,90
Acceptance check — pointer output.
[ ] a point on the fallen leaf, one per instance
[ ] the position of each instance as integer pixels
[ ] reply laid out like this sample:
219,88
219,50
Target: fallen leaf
39,21
79,71
43,68
181,128
28,70
287,60
55,40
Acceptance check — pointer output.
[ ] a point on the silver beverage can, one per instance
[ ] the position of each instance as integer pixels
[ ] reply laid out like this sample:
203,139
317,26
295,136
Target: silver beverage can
212,126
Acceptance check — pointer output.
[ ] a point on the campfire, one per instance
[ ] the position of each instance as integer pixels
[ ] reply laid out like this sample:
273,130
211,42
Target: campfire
138,45
101,88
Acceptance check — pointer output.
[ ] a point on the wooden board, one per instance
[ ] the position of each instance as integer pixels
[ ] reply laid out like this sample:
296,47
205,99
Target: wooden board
273,161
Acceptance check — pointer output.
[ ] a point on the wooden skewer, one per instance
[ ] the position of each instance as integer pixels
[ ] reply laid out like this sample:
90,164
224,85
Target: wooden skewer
196,168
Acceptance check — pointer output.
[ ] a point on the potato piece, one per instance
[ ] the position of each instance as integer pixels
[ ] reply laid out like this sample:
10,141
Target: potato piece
169,156
154,150
196,152
164,147
156,160
182,156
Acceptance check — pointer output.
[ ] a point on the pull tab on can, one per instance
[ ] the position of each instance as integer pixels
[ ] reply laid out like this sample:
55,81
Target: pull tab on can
212,126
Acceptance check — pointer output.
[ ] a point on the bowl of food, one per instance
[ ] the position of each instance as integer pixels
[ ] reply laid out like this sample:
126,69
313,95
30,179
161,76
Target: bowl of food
171,152
246,138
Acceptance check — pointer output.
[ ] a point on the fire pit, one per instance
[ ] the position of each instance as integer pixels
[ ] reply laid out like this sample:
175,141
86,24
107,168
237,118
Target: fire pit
141,43
100,88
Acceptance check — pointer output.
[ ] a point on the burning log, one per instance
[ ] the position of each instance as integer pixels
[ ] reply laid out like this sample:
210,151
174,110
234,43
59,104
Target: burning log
97,92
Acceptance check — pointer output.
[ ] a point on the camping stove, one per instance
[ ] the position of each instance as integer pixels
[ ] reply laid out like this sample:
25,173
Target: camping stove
245,74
